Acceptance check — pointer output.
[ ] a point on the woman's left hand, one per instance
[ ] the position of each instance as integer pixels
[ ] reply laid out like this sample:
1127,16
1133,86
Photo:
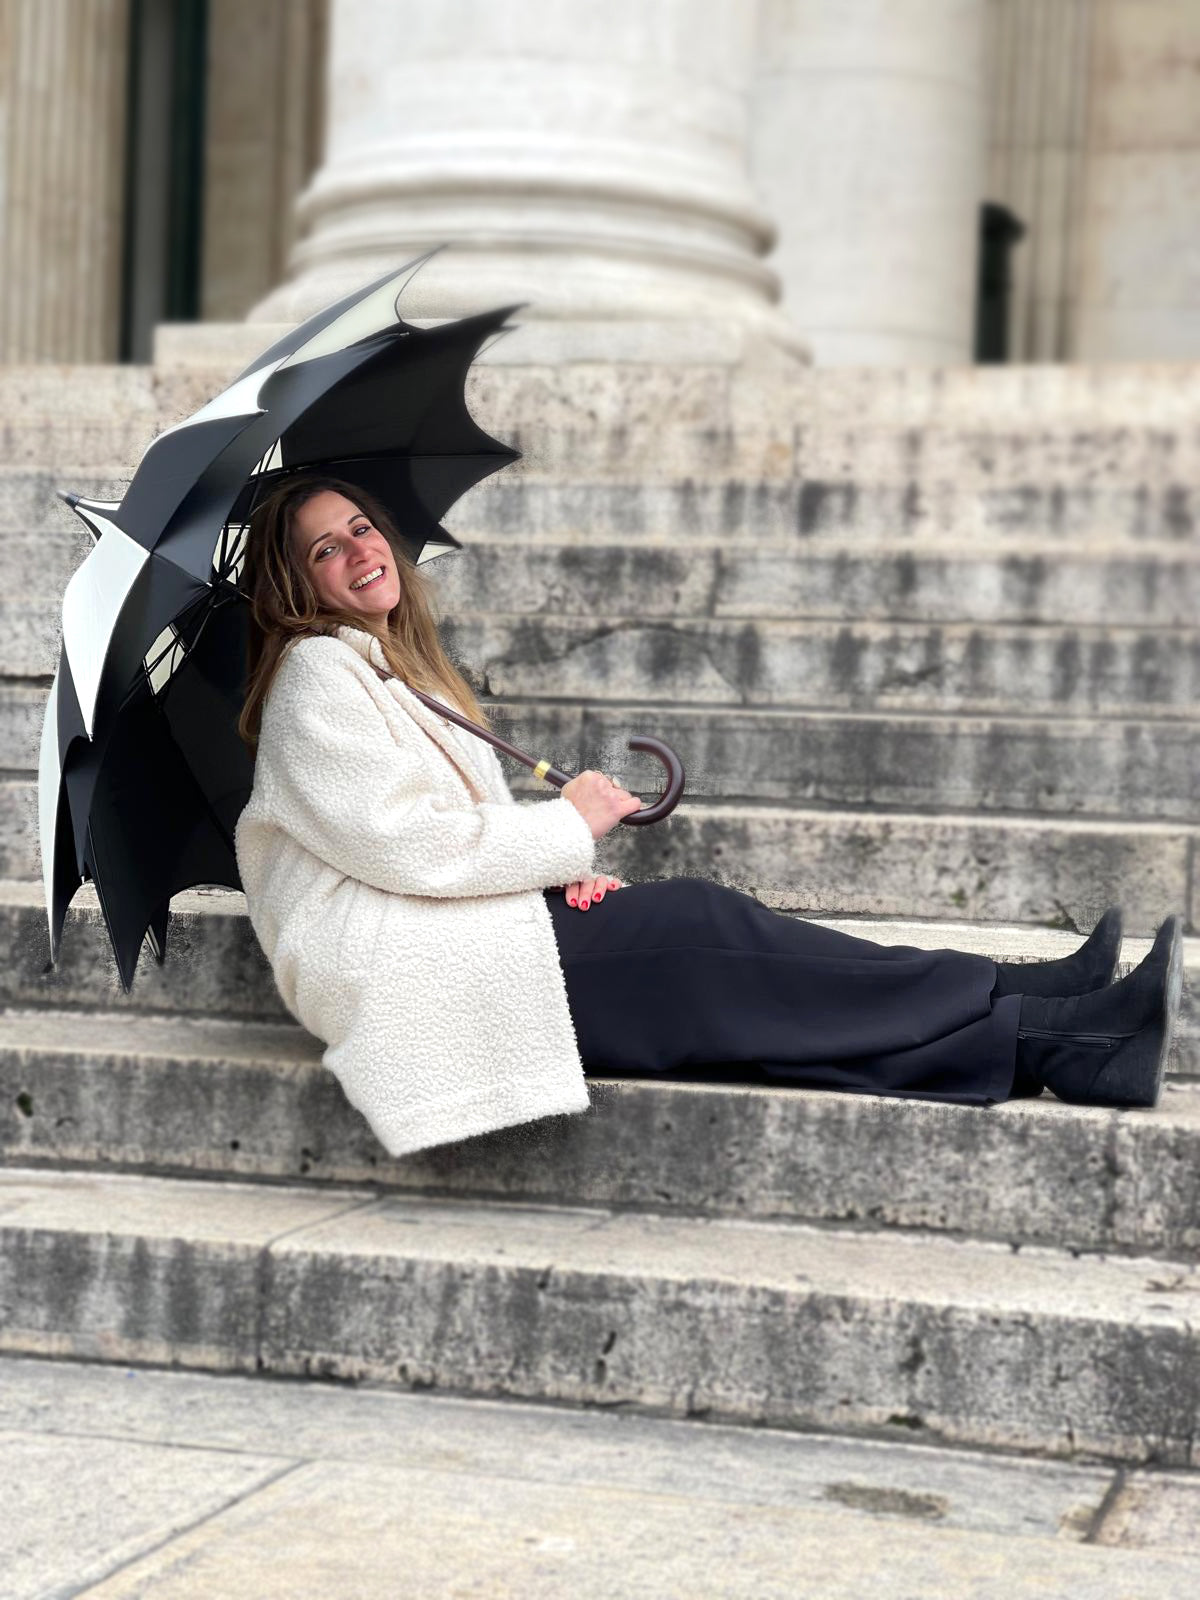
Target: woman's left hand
589,890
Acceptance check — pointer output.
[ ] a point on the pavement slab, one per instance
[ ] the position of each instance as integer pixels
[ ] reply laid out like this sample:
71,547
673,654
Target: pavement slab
124,1483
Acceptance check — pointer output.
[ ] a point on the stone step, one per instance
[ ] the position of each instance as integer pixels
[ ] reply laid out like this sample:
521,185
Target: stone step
1091,406
1122,771
767,1323
787,475
739,512
1151,585
91,389
1128,770
30,507
869,666
117,439
783,439
1049,870
821,428
1055,872
251,1101
607,392
800,446
214,967
1041,398
820,665
753,510
606,388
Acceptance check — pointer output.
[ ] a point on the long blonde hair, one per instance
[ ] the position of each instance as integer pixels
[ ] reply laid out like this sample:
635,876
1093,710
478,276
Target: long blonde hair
284,606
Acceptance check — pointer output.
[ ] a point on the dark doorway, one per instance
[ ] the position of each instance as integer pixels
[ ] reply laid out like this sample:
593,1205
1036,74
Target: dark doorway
999,232
164,169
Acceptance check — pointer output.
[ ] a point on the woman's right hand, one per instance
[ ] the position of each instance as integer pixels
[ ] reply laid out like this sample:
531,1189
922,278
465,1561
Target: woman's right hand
600,802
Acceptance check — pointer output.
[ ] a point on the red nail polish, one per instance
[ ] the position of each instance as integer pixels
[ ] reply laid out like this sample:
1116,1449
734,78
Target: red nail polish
570,902
599,895
585,905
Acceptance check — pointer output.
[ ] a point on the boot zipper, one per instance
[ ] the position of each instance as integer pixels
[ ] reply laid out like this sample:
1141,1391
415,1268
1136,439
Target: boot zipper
1075,1038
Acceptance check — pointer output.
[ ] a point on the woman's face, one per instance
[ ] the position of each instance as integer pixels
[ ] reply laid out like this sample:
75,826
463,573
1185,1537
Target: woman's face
348,561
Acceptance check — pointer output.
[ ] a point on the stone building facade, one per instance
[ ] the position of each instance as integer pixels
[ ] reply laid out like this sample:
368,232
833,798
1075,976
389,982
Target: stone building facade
810,172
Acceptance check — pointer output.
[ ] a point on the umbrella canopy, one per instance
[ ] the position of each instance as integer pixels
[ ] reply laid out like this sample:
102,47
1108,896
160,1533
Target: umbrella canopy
142,775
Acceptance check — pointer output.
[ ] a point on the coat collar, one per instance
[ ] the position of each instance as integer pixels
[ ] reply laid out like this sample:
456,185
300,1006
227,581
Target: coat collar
438,728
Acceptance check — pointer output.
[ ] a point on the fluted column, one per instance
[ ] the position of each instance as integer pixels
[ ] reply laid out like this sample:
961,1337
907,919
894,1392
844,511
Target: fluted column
591,160
1139,269
63,67
869,149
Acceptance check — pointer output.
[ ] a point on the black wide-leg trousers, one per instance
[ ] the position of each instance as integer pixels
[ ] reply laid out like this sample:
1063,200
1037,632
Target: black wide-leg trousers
683,977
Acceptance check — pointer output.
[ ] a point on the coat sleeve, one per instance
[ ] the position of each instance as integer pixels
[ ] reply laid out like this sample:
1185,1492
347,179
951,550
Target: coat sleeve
350,794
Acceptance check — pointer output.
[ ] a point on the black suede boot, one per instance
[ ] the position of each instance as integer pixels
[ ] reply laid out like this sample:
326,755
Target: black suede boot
1108,1048
1090,967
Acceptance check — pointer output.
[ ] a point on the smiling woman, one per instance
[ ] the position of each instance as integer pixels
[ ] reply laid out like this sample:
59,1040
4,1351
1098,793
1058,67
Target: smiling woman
414,916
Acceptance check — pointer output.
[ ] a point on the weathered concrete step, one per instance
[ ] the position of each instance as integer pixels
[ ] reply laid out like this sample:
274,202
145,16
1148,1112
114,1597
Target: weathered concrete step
607,392
92,388
745,510
989,454
1151,585
120,438
1140,770
801,447
751,510
788,443
741,512
870,666
821,665
759,1322
214,966
1130,422
29,503
602,390
111,1091
1053,871
1041,398
1128,770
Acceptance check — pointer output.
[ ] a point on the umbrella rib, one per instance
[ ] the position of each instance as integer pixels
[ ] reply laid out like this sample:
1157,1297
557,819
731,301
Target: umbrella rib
209,604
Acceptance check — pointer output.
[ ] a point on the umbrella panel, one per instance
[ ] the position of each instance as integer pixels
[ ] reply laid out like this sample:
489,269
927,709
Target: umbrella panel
152,832
148,808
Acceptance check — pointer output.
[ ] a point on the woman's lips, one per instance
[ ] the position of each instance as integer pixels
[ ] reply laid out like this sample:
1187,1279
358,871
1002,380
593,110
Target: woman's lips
363,587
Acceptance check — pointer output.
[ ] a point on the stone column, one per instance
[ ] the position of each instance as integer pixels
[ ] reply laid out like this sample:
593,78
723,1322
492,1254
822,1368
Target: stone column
1139,284
63,67
869,149
591,160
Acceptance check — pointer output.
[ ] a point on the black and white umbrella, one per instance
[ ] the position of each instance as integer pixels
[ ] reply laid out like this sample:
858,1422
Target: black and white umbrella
141,775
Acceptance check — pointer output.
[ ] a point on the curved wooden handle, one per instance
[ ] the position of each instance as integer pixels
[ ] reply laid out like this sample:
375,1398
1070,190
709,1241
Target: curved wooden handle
662,807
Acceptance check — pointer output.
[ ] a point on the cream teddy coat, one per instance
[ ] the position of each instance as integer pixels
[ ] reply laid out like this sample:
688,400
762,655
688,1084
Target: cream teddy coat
394,884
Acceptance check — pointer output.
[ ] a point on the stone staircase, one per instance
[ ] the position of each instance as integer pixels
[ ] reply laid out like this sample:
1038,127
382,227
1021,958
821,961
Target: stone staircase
927,646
